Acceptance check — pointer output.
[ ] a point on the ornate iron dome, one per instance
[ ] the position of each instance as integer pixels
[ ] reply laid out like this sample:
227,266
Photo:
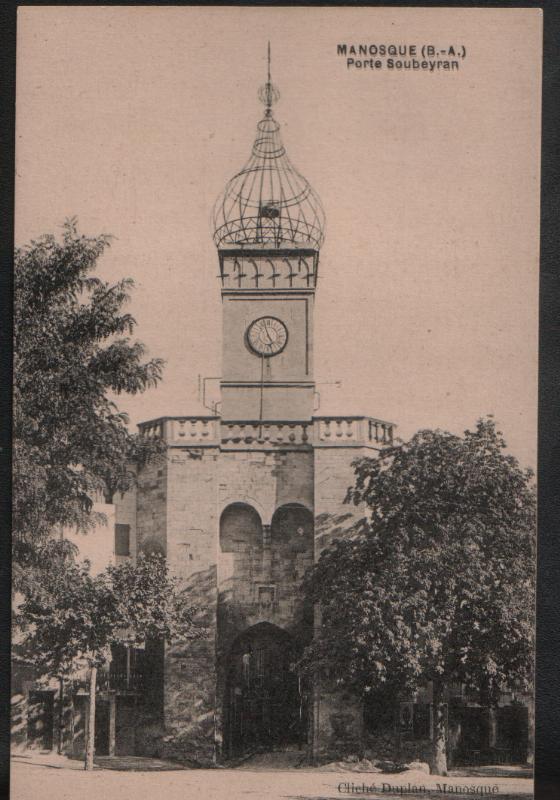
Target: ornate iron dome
269,203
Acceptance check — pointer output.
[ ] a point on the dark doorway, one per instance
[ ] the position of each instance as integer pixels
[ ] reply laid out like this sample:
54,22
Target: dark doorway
513,734
101,727
473,735
40,720
127,712
264,706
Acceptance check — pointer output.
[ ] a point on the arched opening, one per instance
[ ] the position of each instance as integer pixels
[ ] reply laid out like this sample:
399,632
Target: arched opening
292,546
240,528
264,703
292,528
241,540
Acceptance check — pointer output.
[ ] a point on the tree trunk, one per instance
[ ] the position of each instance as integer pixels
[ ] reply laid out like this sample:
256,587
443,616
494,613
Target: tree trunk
61,700
90,740
439,745
112,723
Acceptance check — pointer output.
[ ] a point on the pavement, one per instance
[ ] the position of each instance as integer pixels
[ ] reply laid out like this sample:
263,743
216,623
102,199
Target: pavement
55,777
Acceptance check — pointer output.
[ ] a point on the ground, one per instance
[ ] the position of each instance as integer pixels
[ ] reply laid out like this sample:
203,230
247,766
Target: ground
270,777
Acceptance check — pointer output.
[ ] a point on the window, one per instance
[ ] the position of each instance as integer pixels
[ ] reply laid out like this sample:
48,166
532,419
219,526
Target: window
415,720
266,595
421,721
122,540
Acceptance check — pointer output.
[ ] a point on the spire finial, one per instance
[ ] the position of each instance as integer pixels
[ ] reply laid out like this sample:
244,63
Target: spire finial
268,93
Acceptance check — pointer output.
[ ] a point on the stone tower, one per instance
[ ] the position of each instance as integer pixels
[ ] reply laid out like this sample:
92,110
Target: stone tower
246,499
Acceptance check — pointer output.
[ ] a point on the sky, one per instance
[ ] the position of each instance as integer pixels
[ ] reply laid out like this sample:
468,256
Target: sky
426,315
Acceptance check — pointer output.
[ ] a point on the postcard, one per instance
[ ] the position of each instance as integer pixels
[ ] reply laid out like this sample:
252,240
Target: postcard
275,409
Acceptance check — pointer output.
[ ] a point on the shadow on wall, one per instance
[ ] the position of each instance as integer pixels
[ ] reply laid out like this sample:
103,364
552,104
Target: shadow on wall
200,590
177,721
190,679
329,527
18,722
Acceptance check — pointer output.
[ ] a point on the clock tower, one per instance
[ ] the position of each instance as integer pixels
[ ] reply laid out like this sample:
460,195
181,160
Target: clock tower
268,227
247,498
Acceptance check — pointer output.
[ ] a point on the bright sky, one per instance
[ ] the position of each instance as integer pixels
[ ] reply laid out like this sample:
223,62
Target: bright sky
134,118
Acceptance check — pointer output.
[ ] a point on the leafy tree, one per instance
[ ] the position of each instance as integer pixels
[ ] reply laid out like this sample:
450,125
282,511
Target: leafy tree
439,585
72,350
73,619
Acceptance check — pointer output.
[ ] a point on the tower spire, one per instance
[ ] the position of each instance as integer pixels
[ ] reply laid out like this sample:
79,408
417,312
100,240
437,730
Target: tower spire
268,93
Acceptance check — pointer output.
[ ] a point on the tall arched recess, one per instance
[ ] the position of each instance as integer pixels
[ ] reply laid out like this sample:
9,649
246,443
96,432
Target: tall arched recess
241,537
292,543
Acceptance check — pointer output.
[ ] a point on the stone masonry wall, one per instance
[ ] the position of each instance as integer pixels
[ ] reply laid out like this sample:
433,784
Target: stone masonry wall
151,508
189,671
151,536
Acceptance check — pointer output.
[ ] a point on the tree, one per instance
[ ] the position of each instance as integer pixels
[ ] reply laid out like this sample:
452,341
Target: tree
72,350
439,585
73,618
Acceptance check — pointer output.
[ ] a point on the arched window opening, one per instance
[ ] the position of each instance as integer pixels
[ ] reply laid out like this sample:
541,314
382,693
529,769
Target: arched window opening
240,529
292,529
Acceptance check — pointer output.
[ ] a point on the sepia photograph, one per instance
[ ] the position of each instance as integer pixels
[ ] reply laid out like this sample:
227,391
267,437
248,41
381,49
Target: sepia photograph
275,402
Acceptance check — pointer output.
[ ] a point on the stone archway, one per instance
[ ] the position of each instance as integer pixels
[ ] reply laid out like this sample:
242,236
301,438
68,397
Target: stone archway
264,707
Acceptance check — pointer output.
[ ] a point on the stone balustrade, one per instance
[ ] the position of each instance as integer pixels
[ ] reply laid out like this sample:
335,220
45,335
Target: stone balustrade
267,433
199,430
343,430
183,431
153,429
333,431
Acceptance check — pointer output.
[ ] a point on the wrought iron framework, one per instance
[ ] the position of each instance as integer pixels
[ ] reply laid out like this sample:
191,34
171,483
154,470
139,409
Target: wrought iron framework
269,202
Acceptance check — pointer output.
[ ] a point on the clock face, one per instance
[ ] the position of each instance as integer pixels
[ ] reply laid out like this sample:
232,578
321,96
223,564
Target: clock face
267,336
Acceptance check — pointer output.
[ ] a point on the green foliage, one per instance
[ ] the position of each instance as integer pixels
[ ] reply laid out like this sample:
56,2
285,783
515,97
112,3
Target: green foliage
72,349
150,603
440,586
73,618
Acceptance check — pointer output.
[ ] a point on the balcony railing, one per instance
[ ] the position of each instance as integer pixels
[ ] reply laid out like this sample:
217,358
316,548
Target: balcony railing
324,431
121,681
